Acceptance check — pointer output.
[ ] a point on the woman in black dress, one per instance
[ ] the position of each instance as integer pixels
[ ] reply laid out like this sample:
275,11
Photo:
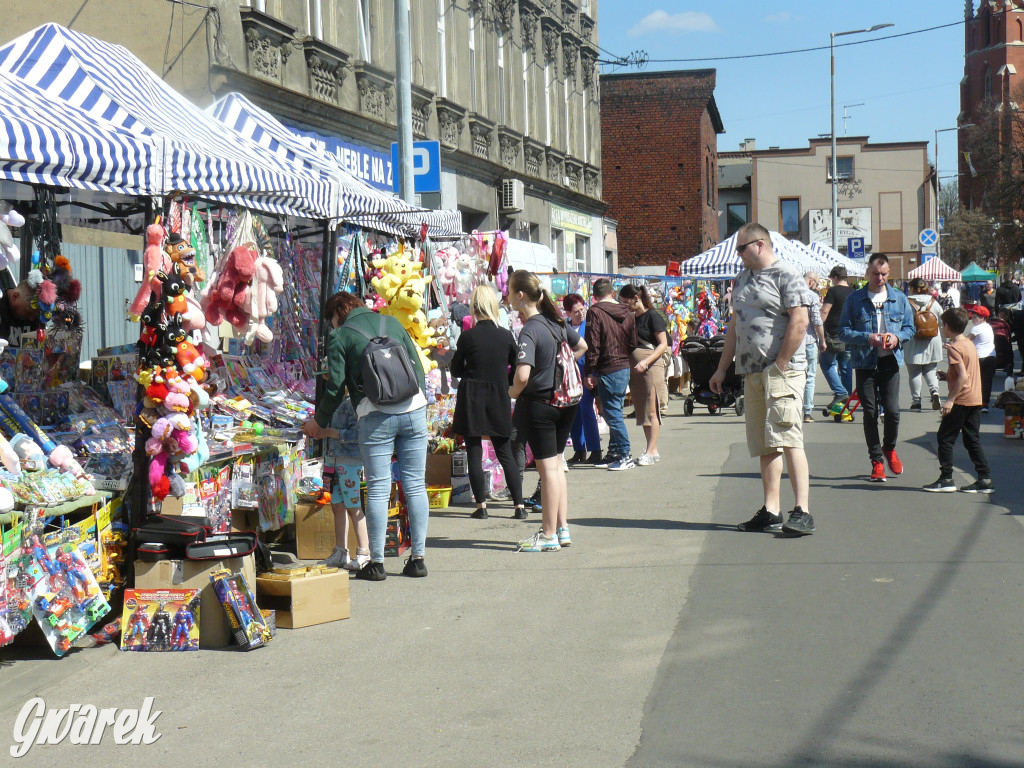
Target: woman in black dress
647,377
484,360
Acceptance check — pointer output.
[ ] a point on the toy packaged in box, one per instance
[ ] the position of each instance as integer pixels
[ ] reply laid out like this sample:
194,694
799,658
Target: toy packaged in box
160,620
244,616
65,598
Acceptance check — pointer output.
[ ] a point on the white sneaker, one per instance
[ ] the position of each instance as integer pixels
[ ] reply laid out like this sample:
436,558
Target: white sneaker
357,562
646,460
540,543
337,559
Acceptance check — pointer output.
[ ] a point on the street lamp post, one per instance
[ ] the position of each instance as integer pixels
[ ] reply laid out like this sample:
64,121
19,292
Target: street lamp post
938,242
835,189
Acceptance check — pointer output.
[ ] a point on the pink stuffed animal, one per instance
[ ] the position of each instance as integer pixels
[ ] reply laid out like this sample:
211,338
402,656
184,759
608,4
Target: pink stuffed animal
268,283
154,261
226,297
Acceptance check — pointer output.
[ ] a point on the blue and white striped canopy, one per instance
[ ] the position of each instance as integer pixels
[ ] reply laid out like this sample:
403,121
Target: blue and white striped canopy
722,262
834,258
110,85
48,142
357,202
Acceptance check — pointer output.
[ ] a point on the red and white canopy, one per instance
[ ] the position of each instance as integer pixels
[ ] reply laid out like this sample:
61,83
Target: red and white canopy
933,269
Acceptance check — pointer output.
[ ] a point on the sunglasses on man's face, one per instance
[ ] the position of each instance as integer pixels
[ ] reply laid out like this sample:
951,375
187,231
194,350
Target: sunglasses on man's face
740,248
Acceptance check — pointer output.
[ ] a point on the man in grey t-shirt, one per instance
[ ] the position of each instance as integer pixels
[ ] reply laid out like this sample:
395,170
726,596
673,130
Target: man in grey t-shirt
766,338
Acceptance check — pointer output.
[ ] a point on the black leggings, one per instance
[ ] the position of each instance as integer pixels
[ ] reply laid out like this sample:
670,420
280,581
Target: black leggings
503,450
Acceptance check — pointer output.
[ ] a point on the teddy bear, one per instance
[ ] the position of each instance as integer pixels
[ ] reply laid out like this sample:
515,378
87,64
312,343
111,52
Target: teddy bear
226,295
463,277
267,284
183,258
154,261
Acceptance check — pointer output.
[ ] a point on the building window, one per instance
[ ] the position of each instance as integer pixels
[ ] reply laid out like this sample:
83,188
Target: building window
789,216
547,103
472,60
558,248
585,133
314,19
988,84
568,109
365,31
502,83
844,168
582,253
442,48
735,217
527,97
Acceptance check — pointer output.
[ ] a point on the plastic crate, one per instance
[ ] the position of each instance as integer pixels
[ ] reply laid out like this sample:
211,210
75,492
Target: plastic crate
440,496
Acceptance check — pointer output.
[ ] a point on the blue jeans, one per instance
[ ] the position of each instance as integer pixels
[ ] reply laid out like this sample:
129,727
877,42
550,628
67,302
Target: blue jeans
812,366
612,389
838,374
404,435
585,436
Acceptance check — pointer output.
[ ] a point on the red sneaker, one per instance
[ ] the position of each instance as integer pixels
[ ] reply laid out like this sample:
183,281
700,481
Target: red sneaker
877,472
895,465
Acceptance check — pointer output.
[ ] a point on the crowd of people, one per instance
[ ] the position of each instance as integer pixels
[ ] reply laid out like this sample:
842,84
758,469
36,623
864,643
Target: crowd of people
543,386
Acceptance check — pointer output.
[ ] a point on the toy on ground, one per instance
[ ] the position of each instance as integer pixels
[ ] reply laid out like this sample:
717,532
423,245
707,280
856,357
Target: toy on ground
160,620
247,625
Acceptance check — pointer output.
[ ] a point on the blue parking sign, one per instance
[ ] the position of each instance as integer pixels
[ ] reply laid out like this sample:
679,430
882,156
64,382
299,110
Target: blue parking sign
426,166
855,247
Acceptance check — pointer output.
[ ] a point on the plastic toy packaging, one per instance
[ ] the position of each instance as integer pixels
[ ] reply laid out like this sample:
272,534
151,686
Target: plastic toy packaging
244,493
244,617
160,620
61,589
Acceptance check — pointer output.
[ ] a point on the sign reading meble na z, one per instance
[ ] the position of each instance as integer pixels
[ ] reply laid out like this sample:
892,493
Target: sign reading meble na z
371,165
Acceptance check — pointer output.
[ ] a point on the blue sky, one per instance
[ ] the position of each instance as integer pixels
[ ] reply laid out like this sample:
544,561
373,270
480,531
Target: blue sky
909,86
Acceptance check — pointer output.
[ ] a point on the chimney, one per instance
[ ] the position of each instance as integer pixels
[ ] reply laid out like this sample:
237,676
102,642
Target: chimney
747,145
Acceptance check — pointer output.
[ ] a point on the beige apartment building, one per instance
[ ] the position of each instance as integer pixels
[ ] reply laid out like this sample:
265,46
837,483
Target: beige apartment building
885,192
509,88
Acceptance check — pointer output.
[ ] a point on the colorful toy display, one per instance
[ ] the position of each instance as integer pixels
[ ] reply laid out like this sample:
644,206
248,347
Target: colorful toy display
246,621
160,620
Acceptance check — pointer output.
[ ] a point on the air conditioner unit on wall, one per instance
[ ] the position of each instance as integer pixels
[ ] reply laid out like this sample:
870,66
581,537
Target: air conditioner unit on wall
513,195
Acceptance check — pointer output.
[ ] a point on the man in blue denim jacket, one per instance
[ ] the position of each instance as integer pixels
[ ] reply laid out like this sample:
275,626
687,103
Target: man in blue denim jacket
876,321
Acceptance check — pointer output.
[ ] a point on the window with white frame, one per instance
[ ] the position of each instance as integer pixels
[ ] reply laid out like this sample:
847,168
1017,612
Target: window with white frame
502,83
547,103
442,49
527,98
558,248
314,19
365,30
585,132
582,253
567,107
472,61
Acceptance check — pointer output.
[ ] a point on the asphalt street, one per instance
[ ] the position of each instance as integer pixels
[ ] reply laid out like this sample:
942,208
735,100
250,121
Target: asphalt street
662,637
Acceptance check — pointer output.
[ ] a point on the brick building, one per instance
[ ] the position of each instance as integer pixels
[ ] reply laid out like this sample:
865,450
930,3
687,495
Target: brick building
993,66
659,153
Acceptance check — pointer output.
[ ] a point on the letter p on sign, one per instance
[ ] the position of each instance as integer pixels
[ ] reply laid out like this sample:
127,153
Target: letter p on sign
426,166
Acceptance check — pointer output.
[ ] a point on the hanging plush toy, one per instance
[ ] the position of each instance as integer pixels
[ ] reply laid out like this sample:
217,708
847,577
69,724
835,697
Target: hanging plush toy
226,294
268,283
154,261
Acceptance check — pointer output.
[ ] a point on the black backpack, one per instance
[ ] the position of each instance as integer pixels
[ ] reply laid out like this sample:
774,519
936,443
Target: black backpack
388,375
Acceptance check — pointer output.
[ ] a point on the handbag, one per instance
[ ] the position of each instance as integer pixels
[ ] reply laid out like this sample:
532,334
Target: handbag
833,343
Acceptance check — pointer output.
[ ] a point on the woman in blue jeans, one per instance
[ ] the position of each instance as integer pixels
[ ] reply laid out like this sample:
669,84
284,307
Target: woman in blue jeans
584,435
384,431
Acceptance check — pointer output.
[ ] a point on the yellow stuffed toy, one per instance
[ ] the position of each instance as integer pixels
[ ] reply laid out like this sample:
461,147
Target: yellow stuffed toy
397,268
407,306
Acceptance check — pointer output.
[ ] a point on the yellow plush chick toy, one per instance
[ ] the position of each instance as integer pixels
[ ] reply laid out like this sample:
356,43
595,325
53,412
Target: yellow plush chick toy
398,268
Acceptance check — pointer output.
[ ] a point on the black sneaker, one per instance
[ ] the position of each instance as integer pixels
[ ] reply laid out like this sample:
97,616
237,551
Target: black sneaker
763,522
609,458
916,405
372,572
534,501
521,513
979,486
942,485
594,458
800,523
415,567
480,514
936,403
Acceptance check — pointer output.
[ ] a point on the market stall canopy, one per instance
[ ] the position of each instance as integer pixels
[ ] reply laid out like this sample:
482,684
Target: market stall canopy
830,258
534,257
357,201
47,142
974,274
723,263
934,269
195,153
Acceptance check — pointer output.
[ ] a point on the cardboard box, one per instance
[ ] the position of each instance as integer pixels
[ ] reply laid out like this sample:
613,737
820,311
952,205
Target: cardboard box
439,469
306,600
1013,425
462,492
314,532
214,631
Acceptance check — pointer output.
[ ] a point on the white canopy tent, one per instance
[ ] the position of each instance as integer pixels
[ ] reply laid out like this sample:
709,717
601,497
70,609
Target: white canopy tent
723,263
934,269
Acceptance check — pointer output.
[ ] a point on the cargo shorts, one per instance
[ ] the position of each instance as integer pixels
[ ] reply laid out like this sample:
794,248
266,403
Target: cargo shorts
773,403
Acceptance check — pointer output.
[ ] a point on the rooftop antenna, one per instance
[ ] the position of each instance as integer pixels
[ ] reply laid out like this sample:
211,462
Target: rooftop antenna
846,116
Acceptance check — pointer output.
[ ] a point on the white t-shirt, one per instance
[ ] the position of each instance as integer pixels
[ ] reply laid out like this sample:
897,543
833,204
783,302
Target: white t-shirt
878,300
954,294
984,339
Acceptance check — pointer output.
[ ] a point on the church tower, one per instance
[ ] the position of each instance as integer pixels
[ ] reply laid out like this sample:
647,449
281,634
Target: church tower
993,68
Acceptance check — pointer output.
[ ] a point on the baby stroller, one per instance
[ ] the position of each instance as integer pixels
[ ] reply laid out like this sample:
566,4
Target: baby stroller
703,357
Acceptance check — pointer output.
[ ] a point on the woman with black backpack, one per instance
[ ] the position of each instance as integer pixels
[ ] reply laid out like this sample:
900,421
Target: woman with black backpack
544,387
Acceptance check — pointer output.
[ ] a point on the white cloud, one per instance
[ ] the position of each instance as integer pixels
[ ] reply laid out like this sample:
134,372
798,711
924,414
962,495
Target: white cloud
688,21
778,18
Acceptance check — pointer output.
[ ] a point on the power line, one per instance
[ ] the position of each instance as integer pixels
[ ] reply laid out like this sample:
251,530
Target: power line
806,50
